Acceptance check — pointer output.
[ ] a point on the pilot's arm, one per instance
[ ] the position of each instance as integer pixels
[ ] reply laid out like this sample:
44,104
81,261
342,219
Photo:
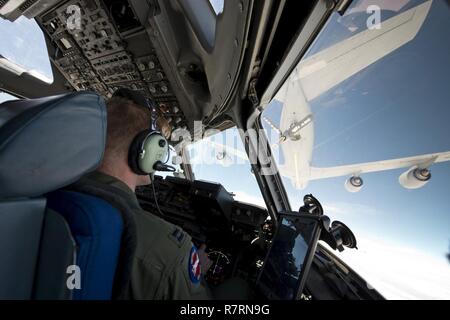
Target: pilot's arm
169,268
186,280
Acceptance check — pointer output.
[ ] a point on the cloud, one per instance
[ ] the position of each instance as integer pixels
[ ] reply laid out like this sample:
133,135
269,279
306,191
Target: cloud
243,196
330,209
18,42
345,208
398,271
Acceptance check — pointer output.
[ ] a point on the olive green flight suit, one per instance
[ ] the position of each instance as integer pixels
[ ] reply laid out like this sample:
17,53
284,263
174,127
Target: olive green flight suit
162,263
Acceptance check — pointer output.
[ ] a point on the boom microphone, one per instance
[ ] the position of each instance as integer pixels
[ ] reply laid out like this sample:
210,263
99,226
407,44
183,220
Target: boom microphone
159,166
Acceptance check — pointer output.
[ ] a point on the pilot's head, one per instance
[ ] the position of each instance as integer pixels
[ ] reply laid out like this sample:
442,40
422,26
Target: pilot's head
128,115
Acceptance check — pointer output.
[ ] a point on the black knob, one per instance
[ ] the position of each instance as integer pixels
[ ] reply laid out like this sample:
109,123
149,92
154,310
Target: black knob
162,143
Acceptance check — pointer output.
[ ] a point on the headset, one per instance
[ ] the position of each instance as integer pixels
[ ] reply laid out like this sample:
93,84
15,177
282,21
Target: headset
149,151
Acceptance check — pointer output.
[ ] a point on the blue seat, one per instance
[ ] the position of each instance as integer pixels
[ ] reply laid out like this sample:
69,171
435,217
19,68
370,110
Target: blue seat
97,229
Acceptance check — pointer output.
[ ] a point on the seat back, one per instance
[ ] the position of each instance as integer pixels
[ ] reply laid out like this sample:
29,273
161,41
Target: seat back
45,144
97,229
20,231
57,251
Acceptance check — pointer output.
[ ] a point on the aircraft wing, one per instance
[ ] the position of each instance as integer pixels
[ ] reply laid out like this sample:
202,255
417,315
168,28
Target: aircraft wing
335,64
376,166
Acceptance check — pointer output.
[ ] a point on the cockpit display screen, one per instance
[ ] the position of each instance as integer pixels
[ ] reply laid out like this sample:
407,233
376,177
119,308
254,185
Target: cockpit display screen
289,257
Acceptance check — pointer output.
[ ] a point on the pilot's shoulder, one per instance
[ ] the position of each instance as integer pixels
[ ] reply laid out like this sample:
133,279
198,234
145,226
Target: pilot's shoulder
160,243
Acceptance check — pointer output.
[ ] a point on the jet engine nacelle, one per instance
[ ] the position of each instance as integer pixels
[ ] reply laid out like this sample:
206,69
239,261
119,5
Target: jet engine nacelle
415,178
354,184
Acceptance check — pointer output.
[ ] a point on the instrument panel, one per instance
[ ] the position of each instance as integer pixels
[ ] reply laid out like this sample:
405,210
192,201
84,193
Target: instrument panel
102,46
205,210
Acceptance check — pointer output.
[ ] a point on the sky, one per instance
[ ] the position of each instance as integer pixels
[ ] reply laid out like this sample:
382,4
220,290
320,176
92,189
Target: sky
397,107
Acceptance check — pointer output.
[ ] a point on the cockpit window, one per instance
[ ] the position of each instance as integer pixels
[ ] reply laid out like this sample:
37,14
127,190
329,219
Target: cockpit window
221,158
362,124
6,97
22,42
217,6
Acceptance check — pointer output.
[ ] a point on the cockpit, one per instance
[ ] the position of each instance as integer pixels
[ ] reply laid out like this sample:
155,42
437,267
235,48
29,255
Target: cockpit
307,144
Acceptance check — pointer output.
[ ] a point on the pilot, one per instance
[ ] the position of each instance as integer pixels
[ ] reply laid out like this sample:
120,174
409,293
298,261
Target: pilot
166,264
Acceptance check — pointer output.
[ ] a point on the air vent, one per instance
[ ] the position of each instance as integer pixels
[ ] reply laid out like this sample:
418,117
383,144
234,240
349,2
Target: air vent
26,5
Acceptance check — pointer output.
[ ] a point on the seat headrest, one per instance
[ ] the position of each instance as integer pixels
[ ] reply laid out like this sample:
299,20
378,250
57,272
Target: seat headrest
48,143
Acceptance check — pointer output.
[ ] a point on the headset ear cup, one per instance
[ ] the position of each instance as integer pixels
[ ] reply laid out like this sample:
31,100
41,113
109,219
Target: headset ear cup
135,151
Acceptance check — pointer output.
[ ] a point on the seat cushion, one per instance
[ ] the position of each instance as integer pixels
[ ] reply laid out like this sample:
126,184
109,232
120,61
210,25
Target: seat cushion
97,229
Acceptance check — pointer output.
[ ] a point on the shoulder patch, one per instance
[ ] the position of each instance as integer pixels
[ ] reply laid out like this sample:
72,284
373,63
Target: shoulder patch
194,267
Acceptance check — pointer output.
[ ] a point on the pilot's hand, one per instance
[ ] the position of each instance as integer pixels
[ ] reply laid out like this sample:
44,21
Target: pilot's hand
205,262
